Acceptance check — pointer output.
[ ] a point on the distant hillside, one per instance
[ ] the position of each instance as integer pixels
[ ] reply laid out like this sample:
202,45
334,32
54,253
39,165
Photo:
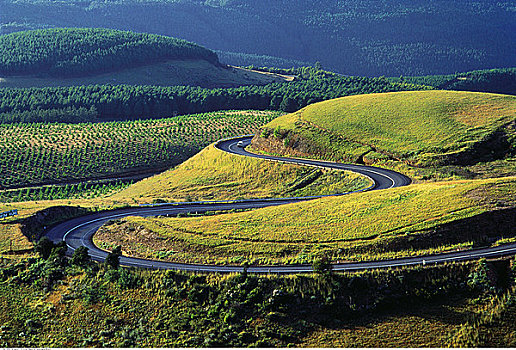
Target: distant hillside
75,52
69,104
501,81
354,37
420,128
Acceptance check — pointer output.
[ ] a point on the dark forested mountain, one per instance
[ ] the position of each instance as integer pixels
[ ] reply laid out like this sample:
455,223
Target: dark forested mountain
358,37
83,51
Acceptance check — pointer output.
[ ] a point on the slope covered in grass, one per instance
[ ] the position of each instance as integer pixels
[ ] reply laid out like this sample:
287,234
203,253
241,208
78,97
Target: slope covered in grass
214,174
420,128
412,220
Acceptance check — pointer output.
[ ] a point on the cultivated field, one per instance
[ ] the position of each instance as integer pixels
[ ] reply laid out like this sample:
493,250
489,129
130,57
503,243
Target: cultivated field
38,153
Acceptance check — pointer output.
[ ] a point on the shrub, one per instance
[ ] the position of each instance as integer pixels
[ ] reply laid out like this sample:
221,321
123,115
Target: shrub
322,265
113,258
80,257
44,247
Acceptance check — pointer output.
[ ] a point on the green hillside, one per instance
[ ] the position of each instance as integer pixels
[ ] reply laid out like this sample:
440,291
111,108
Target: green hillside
66,52
420,128
212,174
414,220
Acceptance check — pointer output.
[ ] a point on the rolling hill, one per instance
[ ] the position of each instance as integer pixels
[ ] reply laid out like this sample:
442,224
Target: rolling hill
214,175
358,37
83,56
419,129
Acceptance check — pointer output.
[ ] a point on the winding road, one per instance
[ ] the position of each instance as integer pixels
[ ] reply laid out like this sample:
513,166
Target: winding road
79,231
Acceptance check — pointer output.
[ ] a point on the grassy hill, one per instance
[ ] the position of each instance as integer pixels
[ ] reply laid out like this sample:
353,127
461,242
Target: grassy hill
373,225
213,174
420,129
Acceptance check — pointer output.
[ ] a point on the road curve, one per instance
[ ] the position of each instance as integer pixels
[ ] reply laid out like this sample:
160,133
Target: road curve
79,231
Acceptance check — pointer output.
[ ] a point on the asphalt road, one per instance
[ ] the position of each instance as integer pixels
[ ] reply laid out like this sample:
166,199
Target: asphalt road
79,231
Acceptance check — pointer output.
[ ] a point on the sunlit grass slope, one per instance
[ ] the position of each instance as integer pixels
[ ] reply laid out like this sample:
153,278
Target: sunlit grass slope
14,244
412,220
418,127
214,174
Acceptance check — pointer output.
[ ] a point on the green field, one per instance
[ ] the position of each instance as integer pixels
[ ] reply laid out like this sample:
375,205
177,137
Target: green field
418,129
168,73
38,153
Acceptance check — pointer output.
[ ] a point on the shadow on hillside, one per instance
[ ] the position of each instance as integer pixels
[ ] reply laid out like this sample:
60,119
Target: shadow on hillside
483,230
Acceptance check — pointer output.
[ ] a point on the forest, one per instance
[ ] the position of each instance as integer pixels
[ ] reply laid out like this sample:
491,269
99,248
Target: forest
110,102
355,37
502,81
71,52
121,102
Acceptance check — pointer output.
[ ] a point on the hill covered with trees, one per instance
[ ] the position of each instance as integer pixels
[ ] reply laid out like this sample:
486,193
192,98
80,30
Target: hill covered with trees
72,52
355,37
110,102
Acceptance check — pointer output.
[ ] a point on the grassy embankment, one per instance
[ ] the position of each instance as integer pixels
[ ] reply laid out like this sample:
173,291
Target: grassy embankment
213,174
425,134
415,220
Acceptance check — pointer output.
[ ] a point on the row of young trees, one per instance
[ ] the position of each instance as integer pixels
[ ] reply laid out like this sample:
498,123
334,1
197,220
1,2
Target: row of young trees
80,190
67,52
108,102
44,153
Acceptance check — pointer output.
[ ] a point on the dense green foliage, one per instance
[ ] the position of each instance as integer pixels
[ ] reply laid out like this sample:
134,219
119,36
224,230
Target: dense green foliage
40,153
108,102
501,81
81,51
114,307
359,37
